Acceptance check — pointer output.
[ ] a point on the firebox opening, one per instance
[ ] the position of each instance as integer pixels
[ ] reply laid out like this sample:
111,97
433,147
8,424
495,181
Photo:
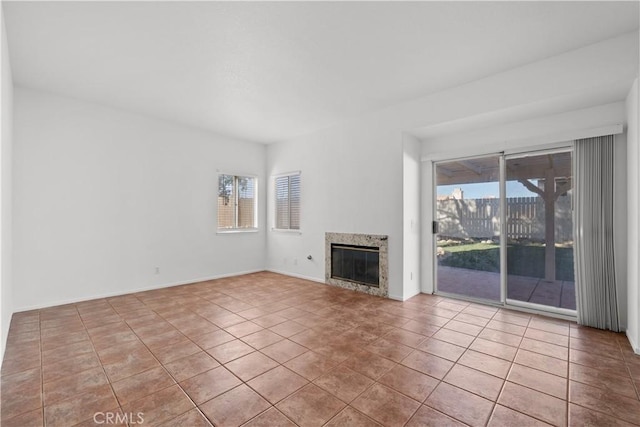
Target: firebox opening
358,264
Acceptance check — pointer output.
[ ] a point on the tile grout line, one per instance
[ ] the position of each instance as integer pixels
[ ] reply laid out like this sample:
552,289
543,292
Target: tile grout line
141,372
197,407
98,355
507,381
385,309
41,368
221,365
440,381
504,382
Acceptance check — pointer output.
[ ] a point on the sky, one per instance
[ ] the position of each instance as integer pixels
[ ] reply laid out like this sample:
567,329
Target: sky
486,190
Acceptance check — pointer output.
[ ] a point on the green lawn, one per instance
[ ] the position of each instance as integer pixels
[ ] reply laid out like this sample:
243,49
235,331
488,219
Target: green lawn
522,260
471,247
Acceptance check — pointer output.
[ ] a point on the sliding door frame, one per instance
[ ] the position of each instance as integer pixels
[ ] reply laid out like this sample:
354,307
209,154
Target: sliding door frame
503,156
434,239
538,308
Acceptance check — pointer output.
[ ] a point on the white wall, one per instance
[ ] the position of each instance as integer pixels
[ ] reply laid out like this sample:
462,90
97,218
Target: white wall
427,245
100,200
411,215
353,187
541,130
633,219
620,242
6,112
102,197
352,173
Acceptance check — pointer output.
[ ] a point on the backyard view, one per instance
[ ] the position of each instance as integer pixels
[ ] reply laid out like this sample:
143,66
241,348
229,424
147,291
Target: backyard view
485,256
539,229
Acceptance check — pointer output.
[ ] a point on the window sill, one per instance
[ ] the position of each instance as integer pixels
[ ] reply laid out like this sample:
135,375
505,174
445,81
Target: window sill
238,231
286,231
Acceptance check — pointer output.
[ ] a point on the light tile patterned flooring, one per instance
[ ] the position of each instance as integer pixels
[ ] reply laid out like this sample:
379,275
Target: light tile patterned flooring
270,350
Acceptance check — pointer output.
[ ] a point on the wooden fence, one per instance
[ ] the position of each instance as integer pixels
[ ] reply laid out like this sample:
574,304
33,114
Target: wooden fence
227,213
480,218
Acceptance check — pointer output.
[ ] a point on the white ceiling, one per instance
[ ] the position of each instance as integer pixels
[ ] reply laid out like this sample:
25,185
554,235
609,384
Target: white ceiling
271,71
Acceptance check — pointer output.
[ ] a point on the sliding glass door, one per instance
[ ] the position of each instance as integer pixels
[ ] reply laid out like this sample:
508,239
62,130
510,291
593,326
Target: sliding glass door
504,229
540,230
468,227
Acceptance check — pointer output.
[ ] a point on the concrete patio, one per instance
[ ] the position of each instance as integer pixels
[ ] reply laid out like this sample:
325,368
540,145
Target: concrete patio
486,285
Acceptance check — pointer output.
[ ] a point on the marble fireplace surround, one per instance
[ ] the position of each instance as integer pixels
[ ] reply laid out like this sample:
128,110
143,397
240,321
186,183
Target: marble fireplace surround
371,240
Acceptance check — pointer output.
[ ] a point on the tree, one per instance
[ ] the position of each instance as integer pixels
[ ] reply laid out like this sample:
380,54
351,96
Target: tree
226,184
549,194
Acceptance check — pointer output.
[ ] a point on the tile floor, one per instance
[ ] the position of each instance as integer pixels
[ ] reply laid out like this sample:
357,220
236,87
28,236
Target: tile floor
269,350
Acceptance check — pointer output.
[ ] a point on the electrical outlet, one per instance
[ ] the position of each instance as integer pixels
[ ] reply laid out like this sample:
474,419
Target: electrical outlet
295,261
157,270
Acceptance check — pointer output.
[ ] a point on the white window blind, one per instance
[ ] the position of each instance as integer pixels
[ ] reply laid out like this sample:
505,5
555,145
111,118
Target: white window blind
236,202
287,189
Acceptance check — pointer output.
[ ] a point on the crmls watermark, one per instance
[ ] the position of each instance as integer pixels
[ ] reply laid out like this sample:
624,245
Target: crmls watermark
130,418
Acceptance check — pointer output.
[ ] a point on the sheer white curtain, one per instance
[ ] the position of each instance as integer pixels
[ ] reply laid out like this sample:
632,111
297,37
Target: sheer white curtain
594,255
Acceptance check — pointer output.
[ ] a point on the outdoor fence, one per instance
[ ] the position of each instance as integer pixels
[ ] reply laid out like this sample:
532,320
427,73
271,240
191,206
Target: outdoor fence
480,218
227,213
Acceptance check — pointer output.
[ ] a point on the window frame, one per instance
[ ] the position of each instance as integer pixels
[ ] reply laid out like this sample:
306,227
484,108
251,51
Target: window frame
275,202
235,228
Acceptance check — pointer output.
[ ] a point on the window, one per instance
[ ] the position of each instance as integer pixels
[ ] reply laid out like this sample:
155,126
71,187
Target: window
288,202
237,207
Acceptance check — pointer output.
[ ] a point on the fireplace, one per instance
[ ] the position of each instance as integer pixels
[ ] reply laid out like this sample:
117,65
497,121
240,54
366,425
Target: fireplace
357,262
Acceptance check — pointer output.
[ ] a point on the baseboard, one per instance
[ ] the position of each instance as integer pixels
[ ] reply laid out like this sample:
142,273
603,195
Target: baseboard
413,294
297,276
634,345
314,279
3,346
133,291
403,297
